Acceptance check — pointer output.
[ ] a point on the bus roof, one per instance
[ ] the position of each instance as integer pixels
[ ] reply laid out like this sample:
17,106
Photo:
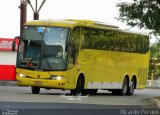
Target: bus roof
49,22
71,23
134,32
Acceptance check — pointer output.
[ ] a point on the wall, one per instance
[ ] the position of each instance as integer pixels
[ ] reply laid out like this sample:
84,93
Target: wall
7,60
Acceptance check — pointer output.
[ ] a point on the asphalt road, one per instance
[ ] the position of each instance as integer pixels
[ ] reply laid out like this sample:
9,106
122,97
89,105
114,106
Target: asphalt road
23,94
31,108
20,100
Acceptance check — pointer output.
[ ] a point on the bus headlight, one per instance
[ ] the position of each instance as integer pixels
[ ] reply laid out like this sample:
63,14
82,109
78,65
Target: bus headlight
54,77
21,75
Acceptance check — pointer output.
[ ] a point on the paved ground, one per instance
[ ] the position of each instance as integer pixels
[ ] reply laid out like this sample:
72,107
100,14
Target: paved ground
23,94
30,108
20,101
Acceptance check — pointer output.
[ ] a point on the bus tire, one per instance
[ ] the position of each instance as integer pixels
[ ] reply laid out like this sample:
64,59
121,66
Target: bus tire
35,90
131,88
124,89
79,87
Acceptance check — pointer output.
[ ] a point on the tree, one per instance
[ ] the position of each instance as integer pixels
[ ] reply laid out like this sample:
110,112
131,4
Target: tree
141,13
154,65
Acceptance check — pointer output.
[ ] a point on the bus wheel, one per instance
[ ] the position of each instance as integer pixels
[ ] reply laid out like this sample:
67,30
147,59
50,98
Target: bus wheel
124,89
131,88
35,90
79,87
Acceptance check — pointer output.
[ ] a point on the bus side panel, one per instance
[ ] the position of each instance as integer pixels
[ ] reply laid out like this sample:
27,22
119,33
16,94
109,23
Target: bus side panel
110,68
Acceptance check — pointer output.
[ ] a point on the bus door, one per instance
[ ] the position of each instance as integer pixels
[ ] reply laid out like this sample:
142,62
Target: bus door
73,52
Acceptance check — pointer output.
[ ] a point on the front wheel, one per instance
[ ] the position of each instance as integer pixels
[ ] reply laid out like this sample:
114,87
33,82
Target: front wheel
35,90
79,87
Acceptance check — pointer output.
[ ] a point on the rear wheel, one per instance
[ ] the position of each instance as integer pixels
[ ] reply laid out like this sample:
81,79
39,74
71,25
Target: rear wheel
35,90
124,89
131,87
79,87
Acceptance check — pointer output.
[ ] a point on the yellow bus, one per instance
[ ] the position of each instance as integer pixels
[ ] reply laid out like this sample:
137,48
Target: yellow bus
81,56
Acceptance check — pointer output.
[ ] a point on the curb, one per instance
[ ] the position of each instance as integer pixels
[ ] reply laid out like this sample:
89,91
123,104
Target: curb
153,87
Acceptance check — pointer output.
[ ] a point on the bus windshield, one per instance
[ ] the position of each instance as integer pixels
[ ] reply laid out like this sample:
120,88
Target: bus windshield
43,48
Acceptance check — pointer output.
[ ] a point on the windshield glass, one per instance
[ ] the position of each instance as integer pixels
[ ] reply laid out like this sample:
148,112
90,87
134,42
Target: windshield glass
43,48
33,33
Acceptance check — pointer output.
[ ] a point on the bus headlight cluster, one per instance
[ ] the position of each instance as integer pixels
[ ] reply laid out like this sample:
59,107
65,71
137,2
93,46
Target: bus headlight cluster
55,77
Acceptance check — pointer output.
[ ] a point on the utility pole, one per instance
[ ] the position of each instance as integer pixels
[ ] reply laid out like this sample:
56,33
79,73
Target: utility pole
23,14
36,10
23,11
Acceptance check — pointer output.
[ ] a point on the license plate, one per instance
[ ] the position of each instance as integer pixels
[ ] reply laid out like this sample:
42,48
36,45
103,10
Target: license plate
38,83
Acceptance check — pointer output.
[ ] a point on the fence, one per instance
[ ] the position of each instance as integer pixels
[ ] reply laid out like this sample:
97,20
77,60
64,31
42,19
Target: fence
153,83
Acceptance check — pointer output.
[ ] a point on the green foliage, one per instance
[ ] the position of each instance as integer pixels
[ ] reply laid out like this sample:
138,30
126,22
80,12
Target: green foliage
155,60
142,13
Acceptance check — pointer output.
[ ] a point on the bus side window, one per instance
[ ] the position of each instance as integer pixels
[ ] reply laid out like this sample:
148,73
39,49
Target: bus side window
74,46
74,53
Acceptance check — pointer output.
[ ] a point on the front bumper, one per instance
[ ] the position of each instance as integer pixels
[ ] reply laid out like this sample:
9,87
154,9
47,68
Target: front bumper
42,83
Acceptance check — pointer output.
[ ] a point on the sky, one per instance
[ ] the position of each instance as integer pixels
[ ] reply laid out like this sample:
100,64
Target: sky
97,10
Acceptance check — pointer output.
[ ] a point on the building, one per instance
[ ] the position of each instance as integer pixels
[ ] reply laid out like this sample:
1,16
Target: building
7,59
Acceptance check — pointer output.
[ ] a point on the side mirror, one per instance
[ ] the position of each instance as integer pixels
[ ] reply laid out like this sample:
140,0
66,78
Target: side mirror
14,46
14,43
